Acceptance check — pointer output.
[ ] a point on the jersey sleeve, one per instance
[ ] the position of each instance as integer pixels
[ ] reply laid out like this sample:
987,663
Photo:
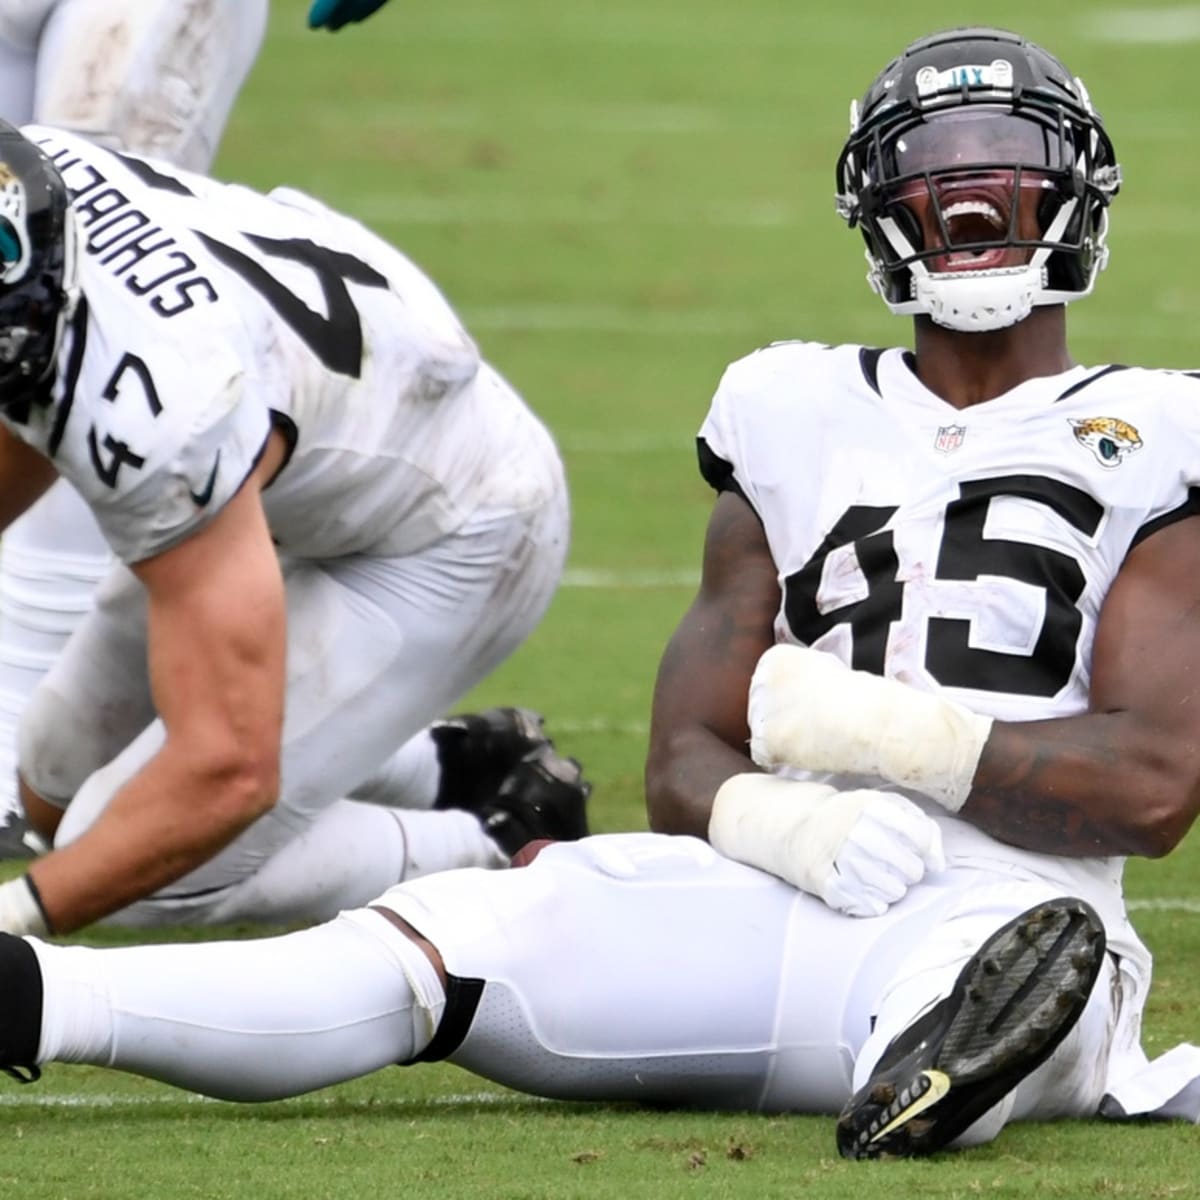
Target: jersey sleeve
157,479
1175,493
742,444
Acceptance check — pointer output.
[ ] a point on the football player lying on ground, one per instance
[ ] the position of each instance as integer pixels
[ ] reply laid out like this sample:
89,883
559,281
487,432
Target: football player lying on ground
981,564
158,78
580,977
332,520
996,981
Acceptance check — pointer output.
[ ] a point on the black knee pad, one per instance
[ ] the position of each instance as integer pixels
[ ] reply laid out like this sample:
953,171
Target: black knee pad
462,1000
20,1002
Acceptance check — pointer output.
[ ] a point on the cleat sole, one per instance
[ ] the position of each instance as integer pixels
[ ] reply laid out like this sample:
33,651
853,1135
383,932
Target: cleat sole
1011,1006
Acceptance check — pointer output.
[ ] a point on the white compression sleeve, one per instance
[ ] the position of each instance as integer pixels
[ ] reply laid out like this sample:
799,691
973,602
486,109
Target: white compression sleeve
261,1019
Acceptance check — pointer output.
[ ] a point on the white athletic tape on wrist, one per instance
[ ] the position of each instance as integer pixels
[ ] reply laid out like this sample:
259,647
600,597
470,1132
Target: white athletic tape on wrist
808,710
20,911
787,827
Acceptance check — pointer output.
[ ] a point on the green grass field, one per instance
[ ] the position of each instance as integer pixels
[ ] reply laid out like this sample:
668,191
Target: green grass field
620,198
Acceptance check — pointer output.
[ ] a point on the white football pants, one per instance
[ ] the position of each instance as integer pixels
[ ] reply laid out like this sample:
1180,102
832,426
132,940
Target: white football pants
158,77
377,648
621,967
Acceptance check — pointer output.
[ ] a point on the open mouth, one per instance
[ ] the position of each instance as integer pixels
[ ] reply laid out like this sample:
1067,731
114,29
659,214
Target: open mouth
978,228
969,220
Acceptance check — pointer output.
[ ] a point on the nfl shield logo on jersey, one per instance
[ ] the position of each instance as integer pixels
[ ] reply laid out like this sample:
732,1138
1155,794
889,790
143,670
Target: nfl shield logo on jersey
949,437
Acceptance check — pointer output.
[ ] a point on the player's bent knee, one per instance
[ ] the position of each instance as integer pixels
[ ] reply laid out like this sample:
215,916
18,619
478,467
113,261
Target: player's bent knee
55,749
422,943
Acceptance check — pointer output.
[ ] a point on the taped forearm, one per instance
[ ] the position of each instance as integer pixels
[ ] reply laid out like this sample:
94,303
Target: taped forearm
785,827
809,711
857,851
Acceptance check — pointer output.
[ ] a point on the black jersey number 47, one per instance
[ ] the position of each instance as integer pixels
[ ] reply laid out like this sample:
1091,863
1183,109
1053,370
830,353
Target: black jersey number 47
964,554
336,338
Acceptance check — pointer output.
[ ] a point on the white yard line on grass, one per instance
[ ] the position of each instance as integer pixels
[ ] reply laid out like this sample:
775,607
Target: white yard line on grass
602,725
599,577
567,212
1165,26
633,442
1166,904
1152,325
35,1099
575,318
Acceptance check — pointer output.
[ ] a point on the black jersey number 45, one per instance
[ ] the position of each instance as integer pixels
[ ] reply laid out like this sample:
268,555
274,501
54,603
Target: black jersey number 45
964,554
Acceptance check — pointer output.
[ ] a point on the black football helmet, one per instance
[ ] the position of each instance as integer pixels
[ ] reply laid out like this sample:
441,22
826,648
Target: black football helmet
38,270
958,119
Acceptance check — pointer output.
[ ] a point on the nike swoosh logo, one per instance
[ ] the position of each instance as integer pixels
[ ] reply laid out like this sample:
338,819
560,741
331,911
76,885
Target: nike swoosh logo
934,1086
205,495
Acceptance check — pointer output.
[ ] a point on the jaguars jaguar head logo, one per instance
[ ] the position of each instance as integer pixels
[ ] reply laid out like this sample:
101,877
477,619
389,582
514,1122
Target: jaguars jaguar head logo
14,232
1110,439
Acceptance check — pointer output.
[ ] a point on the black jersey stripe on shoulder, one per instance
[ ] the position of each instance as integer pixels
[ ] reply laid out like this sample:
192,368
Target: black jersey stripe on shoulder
79,325
717,472
868,360
1078,387
154,178
1189,508
291,437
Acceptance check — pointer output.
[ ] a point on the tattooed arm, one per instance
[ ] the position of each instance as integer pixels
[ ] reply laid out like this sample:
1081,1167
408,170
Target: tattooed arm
1125,777
698,732
1121,778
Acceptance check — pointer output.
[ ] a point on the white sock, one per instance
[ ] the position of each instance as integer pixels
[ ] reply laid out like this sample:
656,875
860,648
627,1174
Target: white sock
447,838
246,1020
409,779
350,855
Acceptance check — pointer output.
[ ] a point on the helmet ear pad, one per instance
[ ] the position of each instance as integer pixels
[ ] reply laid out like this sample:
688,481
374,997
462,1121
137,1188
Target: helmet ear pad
1052,201
1068,271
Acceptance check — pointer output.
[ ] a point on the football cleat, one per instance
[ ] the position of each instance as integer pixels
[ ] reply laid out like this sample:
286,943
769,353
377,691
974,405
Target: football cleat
1013,1003
478,751
545,796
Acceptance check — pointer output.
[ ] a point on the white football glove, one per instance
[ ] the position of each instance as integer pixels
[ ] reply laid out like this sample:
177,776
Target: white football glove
858,851
808,710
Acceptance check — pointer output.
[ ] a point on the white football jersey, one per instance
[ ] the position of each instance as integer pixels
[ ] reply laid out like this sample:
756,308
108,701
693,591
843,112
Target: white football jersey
212,313
966,551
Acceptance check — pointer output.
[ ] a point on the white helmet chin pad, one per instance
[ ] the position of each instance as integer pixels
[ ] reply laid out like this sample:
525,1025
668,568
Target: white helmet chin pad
977,301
